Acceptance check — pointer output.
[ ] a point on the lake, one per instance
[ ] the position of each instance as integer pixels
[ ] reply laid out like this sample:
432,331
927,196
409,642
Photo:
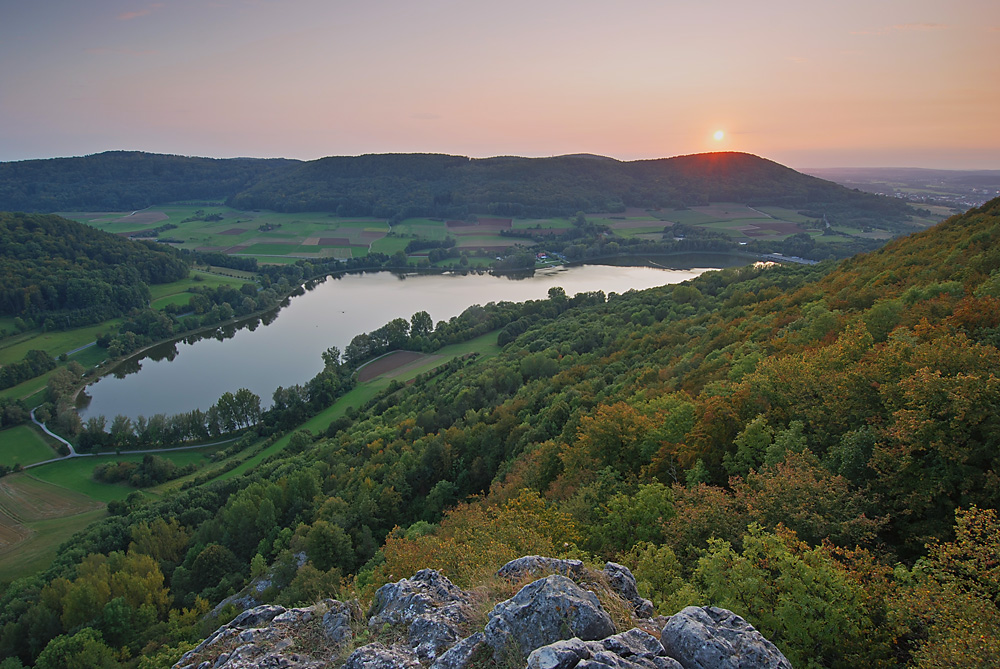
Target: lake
286,349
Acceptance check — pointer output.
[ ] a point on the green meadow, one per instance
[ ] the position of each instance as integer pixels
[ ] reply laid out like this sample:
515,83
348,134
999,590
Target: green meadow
77,474
24,445
274,237
42,544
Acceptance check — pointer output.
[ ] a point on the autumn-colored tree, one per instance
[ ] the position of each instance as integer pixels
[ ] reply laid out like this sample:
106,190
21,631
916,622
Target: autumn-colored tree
951,601
613,436
475,539
702,512
163,540
799,493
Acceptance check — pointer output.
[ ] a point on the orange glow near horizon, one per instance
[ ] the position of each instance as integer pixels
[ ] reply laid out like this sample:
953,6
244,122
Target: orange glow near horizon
893,84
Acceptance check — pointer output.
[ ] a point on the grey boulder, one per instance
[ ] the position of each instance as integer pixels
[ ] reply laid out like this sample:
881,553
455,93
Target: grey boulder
543,612
712,638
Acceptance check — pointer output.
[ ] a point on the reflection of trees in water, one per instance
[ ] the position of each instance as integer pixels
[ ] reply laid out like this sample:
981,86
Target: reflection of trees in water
168,351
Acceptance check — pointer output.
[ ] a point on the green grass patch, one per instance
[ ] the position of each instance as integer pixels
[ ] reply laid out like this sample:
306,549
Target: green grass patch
389,245
24,445
640,230
181,300
273,249
77,474
197,279
29,388
54,343
277,261
90,356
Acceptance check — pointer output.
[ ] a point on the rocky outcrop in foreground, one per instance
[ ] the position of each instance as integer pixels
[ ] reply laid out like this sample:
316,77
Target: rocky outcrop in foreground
553,622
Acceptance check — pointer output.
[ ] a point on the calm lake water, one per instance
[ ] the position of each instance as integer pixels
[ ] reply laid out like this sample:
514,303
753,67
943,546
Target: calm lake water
187,375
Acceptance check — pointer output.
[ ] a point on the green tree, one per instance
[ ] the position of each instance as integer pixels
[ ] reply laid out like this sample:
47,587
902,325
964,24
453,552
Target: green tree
751,446
328,546
84,650
421,324
796,597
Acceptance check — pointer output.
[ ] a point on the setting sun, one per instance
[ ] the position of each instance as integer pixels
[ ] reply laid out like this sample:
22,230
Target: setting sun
719,135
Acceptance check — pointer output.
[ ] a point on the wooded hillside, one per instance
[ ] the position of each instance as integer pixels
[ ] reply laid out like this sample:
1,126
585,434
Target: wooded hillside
72,274
814,448
407,185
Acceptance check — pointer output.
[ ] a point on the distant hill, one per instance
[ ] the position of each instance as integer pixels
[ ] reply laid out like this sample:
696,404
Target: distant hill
124,180
406,185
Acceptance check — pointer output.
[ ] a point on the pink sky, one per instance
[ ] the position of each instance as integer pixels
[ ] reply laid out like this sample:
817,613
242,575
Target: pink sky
808,84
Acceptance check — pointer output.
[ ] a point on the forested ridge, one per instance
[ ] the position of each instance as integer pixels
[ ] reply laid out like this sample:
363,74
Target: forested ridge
67,274
124,180
407,185
814,448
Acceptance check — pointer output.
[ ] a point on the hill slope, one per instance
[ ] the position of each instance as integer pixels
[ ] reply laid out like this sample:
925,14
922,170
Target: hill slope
405,185
782,442
124,180
57,269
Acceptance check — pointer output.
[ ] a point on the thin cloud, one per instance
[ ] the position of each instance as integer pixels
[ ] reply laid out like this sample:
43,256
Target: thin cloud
128,16
105,51
919,27
903,28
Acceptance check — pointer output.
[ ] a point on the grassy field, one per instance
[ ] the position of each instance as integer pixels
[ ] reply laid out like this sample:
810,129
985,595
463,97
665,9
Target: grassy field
197,279
24,445
45,506
253,233
54,343
77,473
35,517
38,550
273,237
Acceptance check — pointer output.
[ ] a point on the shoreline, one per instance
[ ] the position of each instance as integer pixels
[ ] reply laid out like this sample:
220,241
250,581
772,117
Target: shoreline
109,365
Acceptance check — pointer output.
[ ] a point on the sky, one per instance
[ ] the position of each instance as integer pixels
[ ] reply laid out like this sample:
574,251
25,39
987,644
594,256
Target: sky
807,83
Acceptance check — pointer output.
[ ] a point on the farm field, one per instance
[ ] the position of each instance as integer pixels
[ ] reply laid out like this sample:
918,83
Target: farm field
273,237
218,228
197,279
35,517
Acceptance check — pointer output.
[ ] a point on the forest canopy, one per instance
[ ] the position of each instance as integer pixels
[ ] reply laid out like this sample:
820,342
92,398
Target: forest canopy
408,185
72,274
